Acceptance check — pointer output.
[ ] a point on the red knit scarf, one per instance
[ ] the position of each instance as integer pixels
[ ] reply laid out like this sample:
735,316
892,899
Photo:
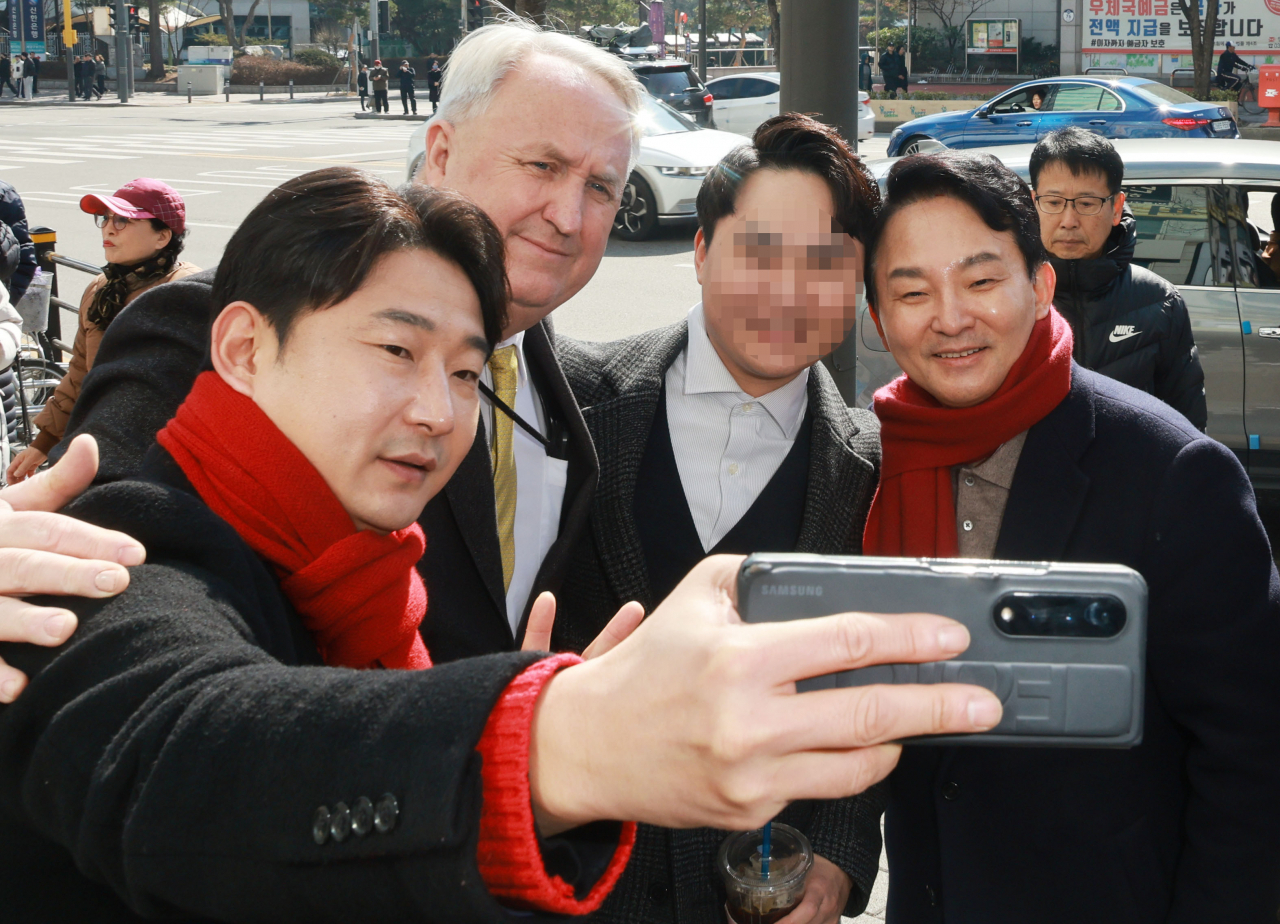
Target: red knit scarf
914,511
358,593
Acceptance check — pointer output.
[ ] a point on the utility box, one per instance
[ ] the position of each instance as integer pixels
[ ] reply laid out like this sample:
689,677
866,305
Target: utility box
205,79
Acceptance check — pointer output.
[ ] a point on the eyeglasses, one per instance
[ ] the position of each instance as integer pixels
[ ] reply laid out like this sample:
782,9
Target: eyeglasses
1084,205
118,222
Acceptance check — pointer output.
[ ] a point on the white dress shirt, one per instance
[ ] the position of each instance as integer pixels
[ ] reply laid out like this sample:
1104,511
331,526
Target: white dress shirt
540,485
727,444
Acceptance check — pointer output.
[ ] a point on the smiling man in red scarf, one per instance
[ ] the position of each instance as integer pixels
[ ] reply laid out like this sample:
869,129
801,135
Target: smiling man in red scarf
997,446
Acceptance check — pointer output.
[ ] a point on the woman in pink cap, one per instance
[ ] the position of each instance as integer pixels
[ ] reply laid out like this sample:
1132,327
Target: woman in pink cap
143,226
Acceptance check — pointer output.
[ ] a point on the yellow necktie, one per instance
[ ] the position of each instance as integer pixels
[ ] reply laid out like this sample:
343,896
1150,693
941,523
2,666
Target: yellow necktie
503,365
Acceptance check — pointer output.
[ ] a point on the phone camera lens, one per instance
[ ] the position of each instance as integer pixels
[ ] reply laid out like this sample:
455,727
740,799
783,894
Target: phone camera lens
1098,615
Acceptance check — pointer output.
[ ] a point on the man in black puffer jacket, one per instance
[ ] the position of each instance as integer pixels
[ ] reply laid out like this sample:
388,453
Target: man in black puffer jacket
1129,324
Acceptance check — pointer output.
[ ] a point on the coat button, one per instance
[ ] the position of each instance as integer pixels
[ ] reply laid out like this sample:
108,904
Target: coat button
951,791
340,823
930,894
362,816
968,525
659,893
968,480
320,825
385,813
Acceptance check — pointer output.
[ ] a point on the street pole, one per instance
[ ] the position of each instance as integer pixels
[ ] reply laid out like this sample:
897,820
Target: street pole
462,12
702,41
124,52
820,63
69,44
373,30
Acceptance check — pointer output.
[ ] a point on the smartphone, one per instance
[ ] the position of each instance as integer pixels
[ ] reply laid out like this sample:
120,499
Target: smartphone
1062,645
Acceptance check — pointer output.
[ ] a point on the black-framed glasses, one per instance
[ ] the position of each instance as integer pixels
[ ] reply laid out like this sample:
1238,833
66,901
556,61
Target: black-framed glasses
1084,205
117,221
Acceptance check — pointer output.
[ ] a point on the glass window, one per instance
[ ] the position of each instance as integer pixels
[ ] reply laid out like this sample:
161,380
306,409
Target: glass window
1162,94
1075,97
657,118
729,88
668,83
753,87
1110,102
1020,100
1182,233
1258,244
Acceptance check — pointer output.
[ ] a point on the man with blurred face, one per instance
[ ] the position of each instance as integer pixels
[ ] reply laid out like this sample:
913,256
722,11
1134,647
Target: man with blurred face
721,434
997,445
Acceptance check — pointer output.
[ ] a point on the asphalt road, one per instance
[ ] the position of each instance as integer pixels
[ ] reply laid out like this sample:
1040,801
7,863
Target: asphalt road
223,157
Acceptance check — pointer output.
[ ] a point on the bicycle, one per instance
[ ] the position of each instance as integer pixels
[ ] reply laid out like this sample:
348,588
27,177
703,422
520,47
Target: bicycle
1246,91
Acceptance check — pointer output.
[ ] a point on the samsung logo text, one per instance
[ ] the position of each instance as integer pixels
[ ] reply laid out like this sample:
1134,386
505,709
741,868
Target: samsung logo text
791,590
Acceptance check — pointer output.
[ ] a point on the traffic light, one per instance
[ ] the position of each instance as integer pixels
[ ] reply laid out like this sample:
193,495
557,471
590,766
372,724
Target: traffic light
111,11
384,15
475,15
134,25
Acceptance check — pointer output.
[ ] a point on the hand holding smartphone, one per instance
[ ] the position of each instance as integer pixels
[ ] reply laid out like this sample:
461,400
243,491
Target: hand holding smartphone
1062,645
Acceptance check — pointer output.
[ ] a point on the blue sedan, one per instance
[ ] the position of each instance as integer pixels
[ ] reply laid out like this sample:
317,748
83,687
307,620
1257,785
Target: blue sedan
1124,107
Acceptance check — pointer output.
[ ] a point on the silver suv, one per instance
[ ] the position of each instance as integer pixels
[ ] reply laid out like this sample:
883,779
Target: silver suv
1203,209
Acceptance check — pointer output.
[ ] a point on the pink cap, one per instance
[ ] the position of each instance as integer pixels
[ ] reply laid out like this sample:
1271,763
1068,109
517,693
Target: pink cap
141,198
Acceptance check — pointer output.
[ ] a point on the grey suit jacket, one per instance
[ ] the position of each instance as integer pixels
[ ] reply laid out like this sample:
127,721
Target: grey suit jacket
671,876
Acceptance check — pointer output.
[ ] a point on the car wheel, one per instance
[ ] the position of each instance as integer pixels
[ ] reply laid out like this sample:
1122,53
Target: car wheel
638,214
912,145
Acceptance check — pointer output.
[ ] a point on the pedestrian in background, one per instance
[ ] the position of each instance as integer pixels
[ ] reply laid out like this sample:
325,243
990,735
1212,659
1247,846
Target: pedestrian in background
77,72
433,86
21,76
407,76
100,75
14,214
33,71
6,75
379,78
362,85
143,226
1129,324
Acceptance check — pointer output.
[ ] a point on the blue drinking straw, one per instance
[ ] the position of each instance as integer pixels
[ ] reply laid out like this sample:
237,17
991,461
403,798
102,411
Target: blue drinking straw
764,850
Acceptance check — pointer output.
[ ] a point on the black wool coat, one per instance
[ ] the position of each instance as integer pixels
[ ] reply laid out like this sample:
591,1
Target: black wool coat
1183,828
169,760
147,363
672,876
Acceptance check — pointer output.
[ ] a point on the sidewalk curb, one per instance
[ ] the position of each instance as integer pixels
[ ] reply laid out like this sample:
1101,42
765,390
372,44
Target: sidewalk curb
386,116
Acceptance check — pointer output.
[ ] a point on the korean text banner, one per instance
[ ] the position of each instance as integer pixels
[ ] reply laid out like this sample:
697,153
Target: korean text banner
1159,25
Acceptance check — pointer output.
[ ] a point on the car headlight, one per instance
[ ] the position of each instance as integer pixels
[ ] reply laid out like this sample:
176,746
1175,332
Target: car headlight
896,133
684,171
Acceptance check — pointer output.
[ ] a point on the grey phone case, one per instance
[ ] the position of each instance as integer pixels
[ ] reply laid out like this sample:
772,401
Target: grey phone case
1065,691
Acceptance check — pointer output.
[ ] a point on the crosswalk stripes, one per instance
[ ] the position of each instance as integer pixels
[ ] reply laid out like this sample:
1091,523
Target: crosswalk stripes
61,151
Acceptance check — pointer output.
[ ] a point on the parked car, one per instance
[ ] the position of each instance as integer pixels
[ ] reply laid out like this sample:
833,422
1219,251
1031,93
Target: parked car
676,83
741,103
1123,107
675,156
1203,211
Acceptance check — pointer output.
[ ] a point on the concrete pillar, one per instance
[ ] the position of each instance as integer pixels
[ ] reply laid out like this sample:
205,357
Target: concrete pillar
1071,14
820,62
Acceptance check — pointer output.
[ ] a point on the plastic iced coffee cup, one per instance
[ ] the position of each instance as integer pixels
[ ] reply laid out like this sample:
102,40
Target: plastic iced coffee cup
753,897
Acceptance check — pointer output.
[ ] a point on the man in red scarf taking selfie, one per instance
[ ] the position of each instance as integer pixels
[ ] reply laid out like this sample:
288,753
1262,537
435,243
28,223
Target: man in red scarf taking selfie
254,731
996,445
